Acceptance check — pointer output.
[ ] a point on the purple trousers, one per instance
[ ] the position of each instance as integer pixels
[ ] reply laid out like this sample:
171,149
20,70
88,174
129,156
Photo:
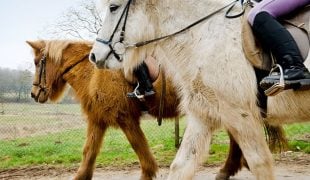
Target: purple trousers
276,8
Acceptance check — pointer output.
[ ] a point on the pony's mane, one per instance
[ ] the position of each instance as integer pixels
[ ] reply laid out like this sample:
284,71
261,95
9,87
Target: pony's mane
54,48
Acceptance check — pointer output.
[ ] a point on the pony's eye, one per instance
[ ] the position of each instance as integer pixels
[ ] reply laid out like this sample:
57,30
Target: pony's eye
113,7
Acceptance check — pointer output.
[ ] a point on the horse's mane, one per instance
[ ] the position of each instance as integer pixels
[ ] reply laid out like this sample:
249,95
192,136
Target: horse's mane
54,48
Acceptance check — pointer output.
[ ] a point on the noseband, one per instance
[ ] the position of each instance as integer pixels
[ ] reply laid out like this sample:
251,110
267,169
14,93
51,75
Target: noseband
122,46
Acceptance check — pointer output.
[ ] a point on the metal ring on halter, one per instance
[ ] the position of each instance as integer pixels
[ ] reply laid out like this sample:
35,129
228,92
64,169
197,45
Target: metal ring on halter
119,48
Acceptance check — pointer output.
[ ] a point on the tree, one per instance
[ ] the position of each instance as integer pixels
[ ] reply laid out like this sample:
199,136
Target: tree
81,22
15,85
24,85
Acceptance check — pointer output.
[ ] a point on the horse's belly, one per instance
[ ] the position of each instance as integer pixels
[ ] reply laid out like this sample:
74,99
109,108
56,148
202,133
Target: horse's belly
289,107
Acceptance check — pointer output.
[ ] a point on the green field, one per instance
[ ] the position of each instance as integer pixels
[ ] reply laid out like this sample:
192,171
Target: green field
59,135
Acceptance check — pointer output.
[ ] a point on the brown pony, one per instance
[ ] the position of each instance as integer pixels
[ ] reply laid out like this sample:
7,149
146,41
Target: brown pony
102,94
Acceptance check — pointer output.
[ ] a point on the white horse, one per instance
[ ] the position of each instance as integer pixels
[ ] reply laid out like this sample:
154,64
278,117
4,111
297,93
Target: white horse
217,84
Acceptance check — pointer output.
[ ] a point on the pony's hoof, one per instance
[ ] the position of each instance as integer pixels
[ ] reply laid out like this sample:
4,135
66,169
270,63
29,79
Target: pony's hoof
221,176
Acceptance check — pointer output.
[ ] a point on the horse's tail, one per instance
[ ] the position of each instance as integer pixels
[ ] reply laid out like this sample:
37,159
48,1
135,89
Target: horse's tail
276,138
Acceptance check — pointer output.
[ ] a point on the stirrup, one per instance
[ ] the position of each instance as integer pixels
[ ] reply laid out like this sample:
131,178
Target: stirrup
277,87
138,95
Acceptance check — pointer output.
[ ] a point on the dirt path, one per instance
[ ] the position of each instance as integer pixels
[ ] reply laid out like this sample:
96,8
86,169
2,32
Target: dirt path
288,166
284,171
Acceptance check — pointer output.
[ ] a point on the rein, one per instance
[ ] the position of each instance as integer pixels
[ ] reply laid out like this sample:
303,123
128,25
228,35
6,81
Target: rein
124,46
143,43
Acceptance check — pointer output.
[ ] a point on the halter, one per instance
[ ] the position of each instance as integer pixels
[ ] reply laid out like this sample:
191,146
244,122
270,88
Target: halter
42,76
120,44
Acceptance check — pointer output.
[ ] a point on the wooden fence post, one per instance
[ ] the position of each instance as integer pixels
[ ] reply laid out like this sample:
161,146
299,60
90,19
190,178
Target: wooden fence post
177,132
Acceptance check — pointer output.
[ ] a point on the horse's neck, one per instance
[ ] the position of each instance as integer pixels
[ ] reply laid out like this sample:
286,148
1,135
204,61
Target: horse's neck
79,76
215,32
180,13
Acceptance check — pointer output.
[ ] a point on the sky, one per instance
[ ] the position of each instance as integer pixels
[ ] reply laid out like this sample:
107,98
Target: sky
23,20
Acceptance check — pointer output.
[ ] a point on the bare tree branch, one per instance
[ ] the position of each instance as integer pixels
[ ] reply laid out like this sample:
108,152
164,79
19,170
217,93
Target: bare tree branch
80,22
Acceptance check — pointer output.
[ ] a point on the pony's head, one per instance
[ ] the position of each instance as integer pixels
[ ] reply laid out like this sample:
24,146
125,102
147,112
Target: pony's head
125,22
52,60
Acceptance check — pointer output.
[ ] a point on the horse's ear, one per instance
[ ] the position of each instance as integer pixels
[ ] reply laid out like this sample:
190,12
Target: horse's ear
36,44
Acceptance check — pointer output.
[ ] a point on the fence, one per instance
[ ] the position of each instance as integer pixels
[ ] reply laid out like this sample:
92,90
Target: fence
28,126
34,134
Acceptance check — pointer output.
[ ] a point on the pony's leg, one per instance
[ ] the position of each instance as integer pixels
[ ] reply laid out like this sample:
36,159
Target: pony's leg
233,162
139,143
91,149
193,150
248,133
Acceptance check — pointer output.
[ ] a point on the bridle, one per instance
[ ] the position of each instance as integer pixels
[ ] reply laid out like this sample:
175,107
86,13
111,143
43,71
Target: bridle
123,46
120,43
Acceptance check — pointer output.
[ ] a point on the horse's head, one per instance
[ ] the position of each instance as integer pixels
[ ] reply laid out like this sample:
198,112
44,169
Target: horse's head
125,22
48,82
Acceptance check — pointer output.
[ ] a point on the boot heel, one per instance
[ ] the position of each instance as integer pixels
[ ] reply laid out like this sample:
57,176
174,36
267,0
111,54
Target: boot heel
304,85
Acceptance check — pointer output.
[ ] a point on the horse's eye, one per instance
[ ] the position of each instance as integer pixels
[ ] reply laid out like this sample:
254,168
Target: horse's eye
113,7
36,62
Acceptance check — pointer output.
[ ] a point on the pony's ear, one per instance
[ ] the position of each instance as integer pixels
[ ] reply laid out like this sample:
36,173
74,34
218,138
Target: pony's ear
36,44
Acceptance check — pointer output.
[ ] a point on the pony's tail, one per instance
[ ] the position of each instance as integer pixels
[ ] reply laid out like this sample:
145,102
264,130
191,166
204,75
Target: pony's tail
275,136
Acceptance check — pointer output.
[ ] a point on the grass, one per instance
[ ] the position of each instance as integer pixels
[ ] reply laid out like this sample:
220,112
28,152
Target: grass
65,147
299,136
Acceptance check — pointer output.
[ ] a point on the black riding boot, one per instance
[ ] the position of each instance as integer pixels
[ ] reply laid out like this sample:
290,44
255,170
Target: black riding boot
145,86
274,36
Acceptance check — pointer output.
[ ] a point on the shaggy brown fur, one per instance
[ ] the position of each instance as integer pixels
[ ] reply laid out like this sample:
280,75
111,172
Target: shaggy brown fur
102,94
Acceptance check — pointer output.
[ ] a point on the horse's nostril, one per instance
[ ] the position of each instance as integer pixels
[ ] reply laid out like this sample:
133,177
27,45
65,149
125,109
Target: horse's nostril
32,95
92,57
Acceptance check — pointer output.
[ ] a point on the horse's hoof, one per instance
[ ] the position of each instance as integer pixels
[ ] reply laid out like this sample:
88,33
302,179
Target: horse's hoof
222,176
146,178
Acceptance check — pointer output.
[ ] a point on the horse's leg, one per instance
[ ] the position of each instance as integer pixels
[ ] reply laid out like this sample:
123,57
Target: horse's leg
247,131
193,149
233,162
91,149
139,143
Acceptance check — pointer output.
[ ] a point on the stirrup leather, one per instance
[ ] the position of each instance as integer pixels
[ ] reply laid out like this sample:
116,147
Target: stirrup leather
277,87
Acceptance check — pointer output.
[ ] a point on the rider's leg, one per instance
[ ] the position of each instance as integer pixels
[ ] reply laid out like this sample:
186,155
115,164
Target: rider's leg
281,43
275,37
